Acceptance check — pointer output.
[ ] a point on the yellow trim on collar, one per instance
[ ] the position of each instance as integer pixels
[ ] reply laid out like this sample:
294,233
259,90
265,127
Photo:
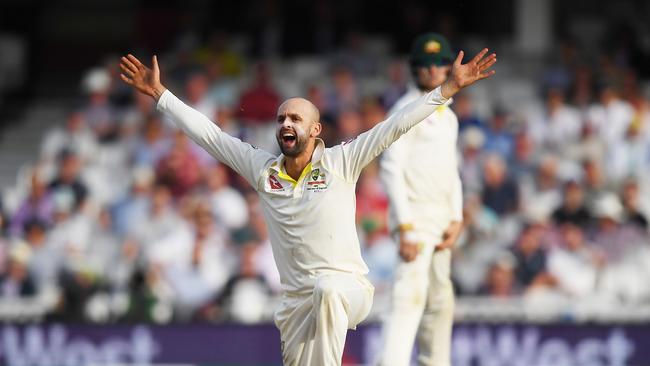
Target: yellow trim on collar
441,108
288,178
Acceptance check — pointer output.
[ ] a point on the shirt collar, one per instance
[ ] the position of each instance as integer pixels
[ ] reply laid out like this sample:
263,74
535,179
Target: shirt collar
316,156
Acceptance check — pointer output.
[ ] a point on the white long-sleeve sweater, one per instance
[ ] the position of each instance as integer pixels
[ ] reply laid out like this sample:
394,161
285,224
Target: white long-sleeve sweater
311,221
420,172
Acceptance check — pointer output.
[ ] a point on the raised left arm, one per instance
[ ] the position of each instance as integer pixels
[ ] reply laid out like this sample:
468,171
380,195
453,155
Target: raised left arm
357,153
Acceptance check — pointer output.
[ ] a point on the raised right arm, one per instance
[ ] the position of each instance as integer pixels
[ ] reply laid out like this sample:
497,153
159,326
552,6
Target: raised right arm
242,157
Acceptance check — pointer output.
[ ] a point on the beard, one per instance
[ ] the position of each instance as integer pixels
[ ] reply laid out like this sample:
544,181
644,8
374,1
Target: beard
295,148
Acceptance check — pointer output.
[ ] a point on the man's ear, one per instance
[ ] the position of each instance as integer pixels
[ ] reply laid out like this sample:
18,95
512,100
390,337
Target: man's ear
316,129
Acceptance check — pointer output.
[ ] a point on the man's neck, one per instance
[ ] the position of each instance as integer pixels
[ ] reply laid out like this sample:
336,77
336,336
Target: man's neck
295,165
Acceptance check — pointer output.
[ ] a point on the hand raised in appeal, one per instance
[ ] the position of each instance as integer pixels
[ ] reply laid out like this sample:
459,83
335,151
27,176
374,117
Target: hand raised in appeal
463,75
145,80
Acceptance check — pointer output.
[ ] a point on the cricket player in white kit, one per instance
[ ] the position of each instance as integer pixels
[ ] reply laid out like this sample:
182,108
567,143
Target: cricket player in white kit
308,198
420,174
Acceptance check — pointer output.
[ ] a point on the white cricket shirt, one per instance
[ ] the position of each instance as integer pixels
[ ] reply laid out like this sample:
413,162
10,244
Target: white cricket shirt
311,221
420,172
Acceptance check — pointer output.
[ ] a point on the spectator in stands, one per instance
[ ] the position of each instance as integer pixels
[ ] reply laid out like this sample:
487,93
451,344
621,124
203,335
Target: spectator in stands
201,270
68,180
372,112
134,116
471,143
480,222
573,209
179,169
247,293
609,236
228,205
530,258
263,257
557,125
133,207
524,158
560,73
500,280
196,92
500,193
160,222
75,136
630,156
257,107
478,245
45,260
624,248
581,93
344,94
102,257
226,120
498,139
348,124
397,84
223,90
88,267
611,116
543,193
595,183
99,113
15,279
631,205
153,143
574,265
588,147
467,116
38,205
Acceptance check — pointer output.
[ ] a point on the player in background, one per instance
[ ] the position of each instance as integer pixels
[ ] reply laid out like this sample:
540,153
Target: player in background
307,196
420,175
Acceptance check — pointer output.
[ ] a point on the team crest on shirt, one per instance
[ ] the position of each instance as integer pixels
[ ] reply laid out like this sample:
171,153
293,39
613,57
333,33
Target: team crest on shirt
317,181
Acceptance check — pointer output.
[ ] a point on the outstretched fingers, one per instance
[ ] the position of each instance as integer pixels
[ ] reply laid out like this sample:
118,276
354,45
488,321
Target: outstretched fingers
126,63
479,56
135,61
486,74
487,64
490,59
126,70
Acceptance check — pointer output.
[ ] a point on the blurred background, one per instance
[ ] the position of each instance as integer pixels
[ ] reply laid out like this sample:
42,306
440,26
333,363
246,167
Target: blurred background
122,242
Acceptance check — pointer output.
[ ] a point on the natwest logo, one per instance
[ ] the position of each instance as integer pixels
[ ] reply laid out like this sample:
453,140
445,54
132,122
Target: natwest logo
38,345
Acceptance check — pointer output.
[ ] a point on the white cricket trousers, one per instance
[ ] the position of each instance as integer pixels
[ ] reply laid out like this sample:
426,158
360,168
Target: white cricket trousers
313,326
422,305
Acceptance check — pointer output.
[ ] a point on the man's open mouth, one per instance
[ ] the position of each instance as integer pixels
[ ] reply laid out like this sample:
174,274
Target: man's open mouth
288,138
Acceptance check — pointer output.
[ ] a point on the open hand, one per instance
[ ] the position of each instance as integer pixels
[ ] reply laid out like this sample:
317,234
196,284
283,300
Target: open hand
145,80
463,75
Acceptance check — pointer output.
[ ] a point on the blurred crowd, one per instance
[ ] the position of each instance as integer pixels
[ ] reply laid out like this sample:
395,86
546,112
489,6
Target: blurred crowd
123,218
